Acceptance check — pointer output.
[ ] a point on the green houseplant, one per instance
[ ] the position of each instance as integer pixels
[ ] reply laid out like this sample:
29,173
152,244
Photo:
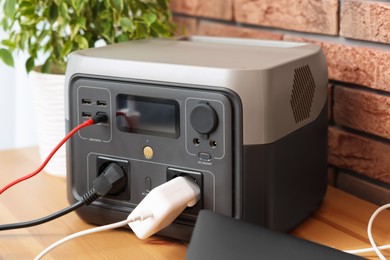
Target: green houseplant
54,28
47,31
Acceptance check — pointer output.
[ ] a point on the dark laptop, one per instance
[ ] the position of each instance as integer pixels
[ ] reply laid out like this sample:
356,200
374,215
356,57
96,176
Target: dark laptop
220,237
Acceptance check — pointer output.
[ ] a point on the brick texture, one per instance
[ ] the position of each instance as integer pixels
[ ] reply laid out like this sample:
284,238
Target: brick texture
330,102
362,110
218,9
359,65
218,29
318,16
363,189
185,25
365,20
360,154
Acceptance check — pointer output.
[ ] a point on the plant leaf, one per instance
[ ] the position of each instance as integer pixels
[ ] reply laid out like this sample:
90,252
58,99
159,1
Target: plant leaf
117,5
63,11
149,18
23,39
8,43
25,4
4,24
163,4
82,42
42,35
81,21
107,32
6,57
123,38
28,11
160,30
30,64
9,7
57,49
74,31
53,14
67,48
127,25
46,67
78,5
141,31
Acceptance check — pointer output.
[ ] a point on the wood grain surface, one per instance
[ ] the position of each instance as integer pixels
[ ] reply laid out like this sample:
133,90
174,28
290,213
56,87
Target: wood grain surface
341,222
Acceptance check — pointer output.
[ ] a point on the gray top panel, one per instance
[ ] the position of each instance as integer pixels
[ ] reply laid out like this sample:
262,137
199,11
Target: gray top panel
222,53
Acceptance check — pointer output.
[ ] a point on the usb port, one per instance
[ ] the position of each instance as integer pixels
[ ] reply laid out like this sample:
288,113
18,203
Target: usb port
101,103
86,115
86,101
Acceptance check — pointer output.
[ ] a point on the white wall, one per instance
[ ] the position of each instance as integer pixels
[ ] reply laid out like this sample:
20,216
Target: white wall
17,127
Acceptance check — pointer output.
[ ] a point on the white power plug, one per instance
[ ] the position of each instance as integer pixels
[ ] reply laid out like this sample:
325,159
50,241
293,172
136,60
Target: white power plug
165,202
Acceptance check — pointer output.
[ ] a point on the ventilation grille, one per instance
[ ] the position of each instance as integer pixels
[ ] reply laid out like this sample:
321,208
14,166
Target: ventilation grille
302,93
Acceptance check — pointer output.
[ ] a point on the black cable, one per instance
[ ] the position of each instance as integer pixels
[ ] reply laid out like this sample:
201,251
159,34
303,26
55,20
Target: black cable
44,219
112,178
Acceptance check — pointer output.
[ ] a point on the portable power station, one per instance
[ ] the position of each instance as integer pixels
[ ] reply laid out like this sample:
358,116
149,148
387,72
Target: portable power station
247,119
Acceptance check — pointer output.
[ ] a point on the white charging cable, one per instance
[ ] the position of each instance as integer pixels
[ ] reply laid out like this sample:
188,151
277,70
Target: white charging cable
371,238
92,230
156,211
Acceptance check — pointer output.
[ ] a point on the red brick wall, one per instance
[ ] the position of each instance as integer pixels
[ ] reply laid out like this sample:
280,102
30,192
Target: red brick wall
355,37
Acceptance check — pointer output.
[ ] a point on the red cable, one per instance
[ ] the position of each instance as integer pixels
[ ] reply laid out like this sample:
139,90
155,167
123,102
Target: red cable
40,168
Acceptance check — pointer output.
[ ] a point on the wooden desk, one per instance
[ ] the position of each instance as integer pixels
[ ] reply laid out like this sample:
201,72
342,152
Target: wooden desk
341,222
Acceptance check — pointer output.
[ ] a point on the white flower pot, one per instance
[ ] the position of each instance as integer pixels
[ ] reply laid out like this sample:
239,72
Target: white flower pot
48,98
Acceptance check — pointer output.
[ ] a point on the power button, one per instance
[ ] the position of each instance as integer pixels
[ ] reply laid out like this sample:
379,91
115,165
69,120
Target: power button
148,152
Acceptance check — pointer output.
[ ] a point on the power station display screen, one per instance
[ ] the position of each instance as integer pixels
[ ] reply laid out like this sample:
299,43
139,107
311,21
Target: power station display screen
149,116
